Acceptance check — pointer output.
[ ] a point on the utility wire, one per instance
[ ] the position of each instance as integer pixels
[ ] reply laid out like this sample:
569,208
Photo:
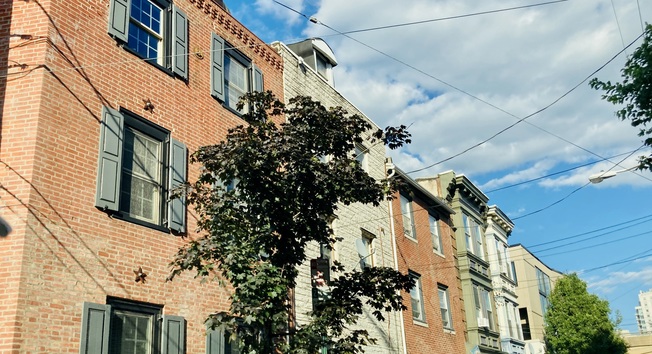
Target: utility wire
445,18
558,172
316,21
533,114
592,231
577,189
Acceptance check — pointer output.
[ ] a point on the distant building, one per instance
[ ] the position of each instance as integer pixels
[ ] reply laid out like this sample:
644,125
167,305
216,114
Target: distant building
643,316
638,344
534,282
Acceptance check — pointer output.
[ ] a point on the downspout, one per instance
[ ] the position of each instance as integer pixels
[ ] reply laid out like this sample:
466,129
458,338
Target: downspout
390,170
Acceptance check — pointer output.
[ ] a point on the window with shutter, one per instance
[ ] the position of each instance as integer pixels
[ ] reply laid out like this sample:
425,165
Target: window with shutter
139,168
155,30
232,74
129,327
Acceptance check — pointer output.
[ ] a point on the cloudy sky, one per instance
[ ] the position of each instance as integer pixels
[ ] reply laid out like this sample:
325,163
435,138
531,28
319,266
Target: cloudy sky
470,69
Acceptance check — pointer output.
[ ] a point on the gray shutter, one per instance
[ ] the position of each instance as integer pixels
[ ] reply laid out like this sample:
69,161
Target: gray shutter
214,342
110,160
258,79
179,42
96,322
217,67
174,335
177,169
119,19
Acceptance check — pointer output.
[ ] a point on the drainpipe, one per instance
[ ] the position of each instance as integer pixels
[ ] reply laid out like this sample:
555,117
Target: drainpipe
390,170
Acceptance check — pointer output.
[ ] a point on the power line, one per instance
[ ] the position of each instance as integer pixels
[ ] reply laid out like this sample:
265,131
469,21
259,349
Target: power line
558,172
442,18
316,21
592,231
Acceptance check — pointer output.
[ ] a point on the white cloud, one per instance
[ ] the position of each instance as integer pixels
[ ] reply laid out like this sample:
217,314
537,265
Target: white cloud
269,7
613,280
519,61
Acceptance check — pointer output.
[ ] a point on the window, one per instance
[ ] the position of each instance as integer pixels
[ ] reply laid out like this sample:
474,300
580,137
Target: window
221,342
323,66
543,281
444,306
154,30
473,236
139,168
483,307
366,249
232,74
416,296
362,156
408,217
129,327
434,233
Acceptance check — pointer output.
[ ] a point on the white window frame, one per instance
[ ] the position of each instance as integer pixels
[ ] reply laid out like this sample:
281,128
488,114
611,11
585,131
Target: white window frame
416,299
407,212
444,306
362,156
163,23
128,174
435,234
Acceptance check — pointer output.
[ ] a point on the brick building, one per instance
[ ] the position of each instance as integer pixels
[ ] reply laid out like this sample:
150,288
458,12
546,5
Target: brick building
364,229
101,101
426,247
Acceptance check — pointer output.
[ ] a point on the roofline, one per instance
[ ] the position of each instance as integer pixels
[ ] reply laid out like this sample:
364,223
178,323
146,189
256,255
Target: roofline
537,258
414,184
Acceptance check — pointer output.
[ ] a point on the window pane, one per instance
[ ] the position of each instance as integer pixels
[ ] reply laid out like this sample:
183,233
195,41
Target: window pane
141,176
406,211
131,333
416,296
145,29
434,232
237,81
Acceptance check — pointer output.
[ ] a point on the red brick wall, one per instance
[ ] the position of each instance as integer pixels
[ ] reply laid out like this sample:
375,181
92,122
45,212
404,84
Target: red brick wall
418,256
64,251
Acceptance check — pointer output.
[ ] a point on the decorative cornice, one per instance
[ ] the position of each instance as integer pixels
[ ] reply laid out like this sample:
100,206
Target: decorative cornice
224,20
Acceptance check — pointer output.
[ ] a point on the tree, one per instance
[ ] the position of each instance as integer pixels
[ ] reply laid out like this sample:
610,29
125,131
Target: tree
285,195
634,92
578,322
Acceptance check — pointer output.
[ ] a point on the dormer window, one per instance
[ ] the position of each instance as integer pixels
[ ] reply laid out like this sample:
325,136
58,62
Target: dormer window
324,67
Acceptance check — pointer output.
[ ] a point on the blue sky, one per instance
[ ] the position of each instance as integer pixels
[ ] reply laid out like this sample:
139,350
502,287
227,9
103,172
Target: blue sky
459,81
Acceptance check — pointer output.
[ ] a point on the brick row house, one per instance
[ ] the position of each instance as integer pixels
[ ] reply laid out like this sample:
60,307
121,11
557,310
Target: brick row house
101,102
426,247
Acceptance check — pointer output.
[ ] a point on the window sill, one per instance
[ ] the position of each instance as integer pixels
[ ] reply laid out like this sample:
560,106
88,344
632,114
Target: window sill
449,330
419,323
123,217
413,239
148,61
439,254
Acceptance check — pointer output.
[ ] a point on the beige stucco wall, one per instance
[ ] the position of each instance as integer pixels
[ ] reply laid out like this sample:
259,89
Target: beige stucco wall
527,288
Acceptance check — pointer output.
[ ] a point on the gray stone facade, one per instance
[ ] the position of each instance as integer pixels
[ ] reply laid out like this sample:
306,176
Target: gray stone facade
353,221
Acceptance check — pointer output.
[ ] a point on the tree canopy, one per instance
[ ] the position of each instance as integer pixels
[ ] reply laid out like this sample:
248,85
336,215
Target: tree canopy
578,322
263,195
634,93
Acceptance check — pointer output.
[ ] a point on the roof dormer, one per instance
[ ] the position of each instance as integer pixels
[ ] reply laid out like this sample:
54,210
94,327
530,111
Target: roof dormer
316,53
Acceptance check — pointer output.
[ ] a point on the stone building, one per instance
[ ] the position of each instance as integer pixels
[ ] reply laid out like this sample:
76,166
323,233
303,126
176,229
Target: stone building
364,229
101,102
